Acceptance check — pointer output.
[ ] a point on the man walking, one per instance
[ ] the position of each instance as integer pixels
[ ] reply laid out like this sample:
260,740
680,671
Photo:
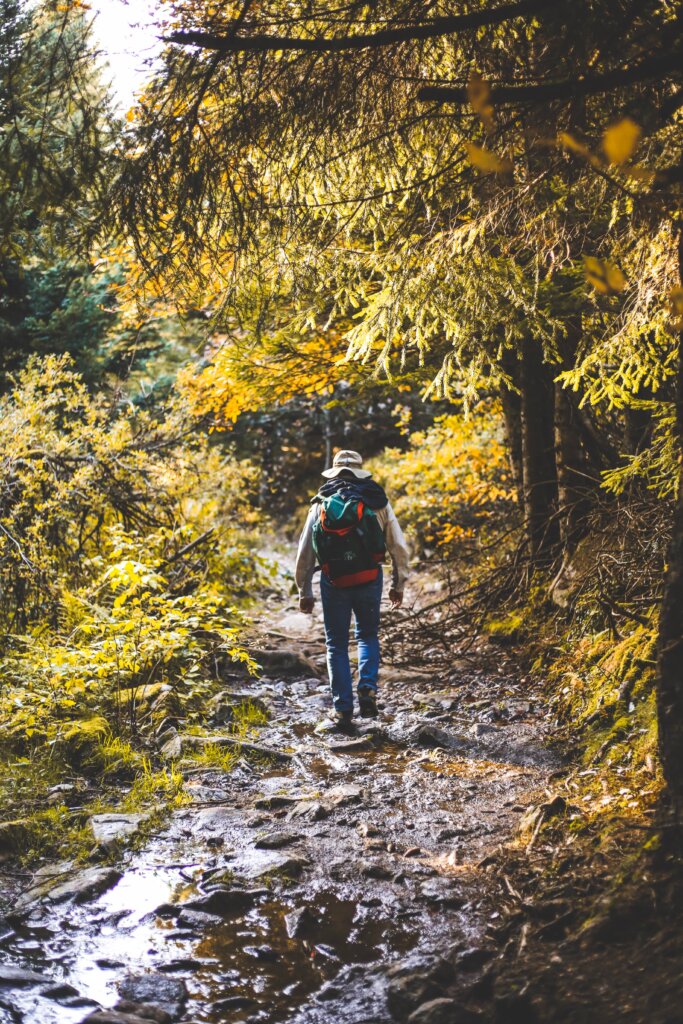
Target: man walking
349,527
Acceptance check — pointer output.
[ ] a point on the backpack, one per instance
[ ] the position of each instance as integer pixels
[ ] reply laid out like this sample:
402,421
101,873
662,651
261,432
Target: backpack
347,540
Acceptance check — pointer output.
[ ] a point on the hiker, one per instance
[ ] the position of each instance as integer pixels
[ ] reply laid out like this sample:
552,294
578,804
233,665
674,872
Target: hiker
349,528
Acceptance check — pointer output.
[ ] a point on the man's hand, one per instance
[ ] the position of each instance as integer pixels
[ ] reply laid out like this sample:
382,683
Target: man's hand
306,604
396,598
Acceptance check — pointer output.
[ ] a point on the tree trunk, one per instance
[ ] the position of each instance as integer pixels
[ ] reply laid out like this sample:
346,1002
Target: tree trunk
670,648
512,413
572,474
538,453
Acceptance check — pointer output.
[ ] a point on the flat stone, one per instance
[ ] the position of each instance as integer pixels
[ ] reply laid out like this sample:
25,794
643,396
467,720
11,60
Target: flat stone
311,809
276,840
17,976
226,901
112,828
147,1011
340,796
351,746
84,885
199,919
169,994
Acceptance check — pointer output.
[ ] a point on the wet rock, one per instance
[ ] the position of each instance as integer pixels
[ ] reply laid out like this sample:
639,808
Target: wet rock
443,1011
108,964
17,976
406,993
272,803
113,828
482,729
78,886
474,958
225,901
6,929
325,952
297,921
85,885
287,867
168,994
351,745
313,810
341,796
145,1010
432,736
276,840
59,992
197,919
263,952
234,1003
379,871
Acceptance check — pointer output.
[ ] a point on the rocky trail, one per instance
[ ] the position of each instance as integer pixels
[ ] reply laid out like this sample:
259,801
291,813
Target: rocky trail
340,879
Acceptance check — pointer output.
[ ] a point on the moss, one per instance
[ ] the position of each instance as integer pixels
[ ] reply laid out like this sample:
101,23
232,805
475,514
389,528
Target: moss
508,629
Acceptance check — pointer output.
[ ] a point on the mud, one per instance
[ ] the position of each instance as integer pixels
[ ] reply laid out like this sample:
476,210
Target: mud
298,891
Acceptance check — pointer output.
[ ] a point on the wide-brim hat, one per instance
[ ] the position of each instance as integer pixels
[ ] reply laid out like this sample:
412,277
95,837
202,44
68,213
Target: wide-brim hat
351,461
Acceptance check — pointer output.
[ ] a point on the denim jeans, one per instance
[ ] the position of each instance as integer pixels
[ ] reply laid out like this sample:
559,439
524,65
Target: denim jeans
338,604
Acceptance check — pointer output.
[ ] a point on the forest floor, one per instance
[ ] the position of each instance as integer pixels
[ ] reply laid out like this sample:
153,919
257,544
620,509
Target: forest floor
351,879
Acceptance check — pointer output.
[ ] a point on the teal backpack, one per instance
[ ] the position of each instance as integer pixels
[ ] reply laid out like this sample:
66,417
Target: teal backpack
347,540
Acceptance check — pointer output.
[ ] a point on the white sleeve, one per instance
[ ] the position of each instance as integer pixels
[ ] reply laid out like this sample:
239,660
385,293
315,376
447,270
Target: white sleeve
397,548
305,557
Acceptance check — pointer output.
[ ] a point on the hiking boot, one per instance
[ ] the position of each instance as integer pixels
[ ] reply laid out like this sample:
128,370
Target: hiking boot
343,722
368,703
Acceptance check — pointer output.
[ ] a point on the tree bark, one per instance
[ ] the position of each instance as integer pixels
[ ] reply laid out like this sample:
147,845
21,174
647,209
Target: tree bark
670,645
512,413
572,478
538,453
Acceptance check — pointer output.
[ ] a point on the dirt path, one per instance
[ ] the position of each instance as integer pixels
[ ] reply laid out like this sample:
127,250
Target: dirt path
346,882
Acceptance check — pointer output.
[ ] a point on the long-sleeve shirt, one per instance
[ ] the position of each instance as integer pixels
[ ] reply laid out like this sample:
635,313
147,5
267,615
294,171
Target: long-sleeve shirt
393,538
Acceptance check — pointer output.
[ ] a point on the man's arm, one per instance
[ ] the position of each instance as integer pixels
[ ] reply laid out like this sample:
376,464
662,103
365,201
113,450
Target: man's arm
400,556
305,563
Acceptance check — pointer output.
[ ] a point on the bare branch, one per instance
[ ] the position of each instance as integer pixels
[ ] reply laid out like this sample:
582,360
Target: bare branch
543,92
386,37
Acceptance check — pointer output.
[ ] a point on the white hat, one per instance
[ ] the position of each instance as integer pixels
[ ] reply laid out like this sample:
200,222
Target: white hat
347,460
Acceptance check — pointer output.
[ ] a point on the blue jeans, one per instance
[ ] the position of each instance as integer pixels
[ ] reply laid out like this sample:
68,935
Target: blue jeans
338,604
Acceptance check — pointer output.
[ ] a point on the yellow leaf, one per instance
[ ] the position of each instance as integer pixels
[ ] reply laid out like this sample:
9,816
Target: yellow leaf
620,140
639,173
486,161
676,299
130,116
572,144
604,276
479,96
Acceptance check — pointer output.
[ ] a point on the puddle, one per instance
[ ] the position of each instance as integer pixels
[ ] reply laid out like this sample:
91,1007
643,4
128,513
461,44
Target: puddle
257,960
